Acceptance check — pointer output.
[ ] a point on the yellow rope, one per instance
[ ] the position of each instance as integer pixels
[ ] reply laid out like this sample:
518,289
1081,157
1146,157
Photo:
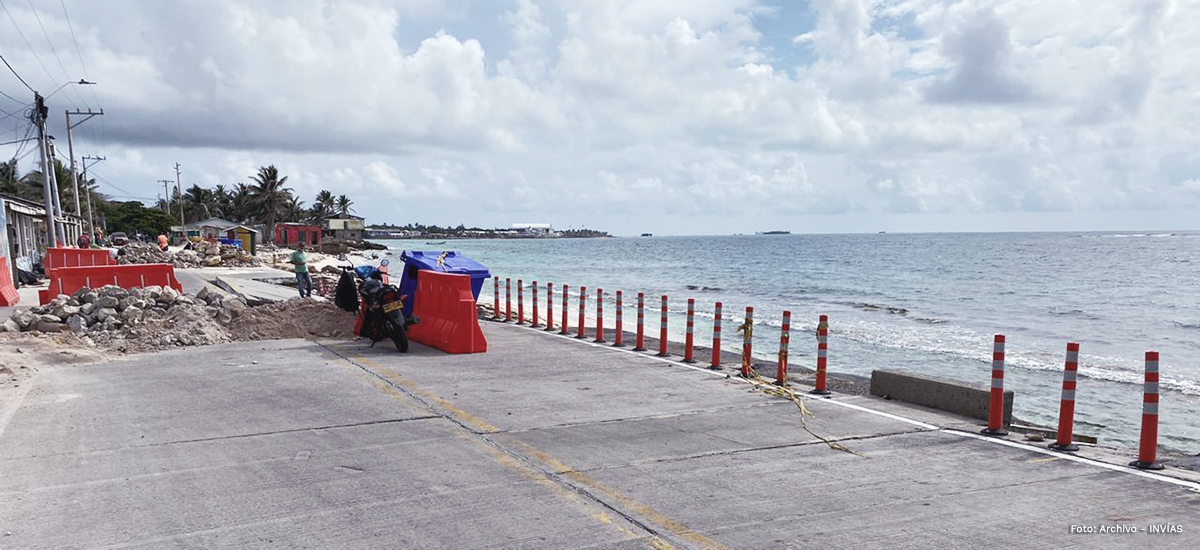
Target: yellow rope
788,393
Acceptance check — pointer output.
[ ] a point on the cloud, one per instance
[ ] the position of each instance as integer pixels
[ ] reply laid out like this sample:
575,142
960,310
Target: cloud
675,111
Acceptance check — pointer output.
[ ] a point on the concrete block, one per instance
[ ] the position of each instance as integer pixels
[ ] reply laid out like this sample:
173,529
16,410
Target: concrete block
960,398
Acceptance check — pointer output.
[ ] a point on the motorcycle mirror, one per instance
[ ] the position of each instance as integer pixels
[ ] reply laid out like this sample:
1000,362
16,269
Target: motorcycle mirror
384,262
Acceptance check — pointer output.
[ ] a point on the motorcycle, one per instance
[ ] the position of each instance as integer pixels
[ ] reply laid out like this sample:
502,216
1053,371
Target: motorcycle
380,309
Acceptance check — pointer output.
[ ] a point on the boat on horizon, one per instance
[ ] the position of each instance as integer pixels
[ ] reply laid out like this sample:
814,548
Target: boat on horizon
776,232
647,234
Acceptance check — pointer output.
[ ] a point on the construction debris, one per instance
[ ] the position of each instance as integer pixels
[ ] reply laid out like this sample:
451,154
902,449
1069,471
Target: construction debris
151,318
200,254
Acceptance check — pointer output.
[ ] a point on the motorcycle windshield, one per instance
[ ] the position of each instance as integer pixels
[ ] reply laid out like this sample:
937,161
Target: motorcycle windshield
365,271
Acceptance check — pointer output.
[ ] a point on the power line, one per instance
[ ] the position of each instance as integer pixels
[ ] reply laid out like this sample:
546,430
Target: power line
10,67
78,52
30,46
17,141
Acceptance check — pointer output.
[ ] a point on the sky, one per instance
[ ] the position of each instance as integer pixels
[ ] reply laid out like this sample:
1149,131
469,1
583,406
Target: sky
674,117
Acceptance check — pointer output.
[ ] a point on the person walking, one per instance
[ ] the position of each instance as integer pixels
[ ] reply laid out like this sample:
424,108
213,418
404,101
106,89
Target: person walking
303,277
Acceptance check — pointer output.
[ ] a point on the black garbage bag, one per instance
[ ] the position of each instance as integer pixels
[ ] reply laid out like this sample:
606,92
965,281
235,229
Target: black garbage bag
346,294
26,278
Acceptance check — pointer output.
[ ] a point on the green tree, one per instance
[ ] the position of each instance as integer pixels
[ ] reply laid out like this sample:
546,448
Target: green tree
269,196
343,205
133,217
294,210
200,203
322,207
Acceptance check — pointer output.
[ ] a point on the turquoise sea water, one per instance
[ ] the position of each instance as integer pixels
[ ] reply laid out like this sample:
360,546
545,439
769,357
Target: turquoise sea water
927,303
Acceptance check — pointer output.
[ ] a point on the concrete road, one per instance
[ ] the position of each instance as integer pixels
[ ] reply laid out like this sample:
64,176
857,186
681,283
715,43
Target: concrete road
543,442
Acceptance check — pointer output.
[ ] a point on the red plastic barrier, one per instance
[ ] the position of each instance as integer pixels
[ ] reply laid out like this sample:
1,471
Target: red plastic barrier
77,257
67,280
446,307
8,290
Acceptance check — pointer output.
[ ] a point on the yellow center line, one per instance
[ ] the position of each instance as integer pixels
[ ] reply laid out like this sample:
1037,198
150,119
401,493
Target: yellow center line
510,462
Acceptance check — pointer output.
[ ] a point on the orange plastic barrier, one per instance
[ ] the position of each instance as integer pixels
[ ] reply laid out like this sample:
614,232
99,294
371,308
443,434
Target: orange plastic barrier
67,280
8,290
446,306
76,257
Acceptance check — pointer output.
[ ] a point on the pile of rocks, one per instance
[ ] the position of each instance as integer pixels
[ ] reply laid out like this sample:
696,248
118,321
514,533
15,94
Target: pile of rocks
202,254
113,308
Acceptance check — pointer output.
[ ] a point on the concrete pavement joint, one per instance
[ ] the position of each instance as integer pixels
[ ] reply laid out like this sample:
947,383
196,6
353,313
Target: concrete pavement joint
1081,460
227,437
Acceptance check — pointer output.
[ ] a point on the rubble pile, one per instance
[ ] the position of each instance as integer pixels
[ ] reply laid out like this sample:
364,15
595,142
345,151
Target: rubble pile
201,254
151,318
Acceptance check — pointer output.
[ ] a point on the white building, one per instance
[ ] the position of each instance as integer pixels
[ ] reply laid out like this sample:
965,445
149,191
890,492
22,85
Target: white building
534,229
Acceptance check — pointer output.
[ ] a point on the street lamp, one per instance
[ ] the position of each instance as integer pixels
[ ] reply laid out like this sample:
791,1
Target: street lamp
68,83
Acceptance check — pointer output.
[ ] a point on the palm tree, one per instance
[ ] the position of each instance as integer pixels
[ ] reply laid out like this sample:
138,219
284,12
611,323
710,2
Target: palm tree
269,196
240,208
199,203
295,211
322,208
343,205
8,177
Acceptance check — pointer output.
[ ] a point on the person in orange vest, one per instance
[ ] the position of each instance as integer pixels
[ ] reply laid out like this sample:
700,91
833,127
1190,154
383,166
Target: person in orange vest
162,243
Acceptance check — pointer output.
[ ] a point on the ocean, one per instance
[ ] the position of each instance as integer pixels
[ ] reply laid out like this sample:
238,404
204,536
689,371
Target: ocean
924,303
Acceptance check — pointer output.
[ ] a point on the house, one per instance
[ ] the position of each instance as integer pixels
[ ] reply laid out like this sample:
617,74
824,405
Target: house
24,237
349,228
222,229
293,234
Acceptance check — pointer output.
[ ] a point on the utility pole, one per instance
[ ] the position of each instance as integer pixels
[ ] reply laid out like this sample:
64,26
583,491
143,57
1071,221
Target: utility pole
38,117
179,188
71,148
58,211
87,187
166,195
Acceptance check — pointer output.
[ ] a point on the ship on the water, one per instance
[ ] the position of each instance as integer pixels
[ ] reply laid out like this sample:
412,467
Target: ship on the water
773,233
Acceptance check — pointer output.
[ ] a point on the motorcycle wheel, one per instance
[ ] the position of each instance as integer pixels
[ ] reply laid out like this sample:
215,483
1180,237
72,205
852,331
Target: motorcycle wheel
399,337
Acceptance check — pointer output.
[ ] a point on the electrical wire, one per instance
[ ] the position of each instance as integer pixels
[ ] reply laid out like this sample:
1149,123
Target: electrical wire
30,46
54,51
14,71
78,52
16,141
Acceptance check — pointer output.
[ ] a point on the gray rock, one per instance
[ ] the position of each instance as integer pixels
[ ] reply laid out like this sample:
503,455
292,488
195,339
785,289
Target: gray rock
44,326
68,311
135,292
89,297
10,326
203,294
131,315
224,316
140,303
37,310
124,303
77,323
87,308
114,291
158,311
107,302
25,319
104,313
78,295
186,300
48,318
111,323
152,292
72,301
168,296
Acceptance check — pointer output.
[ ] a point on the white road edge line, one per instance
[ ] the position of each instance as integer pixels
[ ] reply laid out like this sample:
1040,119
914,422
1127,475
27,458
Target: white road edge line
1194,486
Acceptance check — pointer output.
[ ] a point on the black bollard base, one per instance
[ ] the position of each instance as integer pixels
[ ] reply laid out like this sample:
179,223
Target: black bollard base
989,431
1146,465
820,392
1068,447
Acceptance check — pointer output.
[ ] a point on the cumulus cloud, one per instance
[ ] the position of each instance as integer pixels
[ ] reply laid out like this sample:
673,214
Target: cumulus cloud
681,112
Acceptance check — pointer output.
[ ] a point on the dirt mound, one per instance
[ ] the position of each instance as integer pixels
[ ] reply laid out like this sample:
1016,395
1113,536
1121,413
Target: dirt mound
295,318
